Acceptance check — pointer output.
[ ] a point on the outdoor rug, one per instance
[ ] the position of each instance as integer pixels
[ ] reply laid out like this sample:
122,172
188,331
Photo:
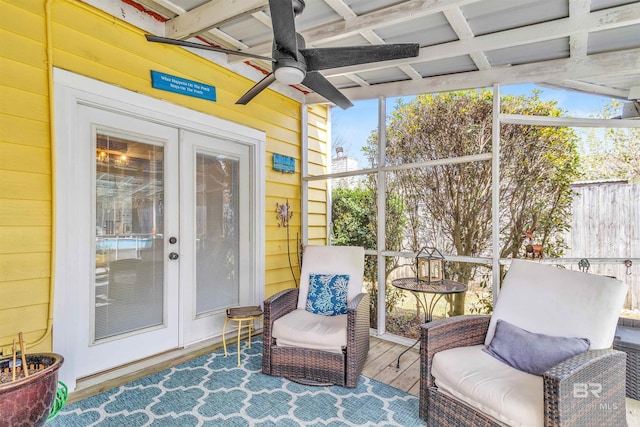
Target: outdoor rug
213,391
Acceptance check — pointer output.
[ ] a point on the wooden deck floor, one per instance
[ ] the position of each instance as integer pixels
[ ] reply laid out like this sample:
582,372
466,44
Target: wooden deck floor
382,361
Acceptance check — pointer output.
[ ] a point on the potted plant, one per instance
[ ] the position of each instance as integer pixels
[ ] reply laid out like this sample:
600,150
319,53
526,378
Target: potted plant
28,387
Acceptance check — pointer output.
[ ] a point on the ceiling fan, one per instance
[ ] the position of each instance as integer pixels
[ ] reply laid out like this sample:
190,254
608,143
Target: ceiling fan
293,63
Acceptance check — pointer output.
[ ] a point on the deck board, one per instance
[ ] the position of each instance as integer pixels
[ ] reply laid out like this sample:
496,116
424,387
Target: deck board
382,361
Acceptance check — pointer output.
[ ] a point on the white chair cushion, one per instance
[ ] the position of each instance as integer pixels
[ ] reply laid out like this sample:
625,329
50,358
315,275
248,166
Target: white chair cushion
510,396
545,299
332,260
301,328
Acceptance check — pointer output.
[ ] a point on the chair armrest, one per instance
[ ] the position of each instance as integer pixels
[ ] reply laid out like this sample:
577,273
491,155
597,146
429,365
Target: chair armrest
358,318
586,389
357,337
276,306
356,302
443,334
279,304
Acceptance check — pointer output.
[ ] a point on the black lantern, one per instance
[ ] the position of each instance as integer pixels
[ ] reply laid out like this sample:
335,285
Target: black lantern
430,266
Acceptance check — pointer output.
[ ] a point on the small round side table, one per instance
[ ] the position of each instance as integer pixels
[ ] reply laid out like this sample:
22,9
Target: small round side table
240,314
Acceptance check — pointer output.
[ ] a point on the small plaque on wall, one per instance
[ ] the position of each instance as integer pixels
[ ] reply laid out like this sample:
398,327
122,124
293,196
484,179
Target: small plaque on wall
284,163
182,86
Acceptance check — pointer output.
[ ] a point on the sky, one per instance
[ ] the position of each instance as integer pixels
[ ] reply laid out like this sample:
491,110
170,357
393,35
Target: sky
351,128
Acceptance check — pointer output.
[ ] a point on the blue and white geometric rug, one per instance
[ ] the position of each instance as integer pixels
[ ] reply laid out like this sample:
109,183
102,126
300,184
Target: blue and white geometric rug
213,391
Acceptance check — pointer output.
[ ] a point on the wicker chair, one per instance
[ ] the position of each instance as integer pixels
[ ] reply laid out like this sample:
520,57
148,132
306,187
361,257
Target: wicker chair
313,348
587,389
628,340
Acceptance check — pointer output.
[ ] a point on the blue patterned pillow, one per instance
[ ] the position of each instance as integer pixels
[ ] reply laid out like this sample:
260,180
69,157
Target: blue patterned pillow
327,294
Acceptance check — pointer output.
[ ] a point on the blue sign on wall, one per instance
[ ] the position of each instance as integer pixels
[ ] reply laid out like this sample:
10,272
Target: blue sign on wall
283,163
182,86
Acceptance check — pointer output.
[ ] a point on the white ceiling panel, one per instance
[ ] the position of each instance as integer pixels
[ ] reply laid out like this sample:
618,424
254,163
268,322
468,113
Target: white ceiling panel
383,76
426,31
441,67
316,12
353,40
490,16
463,43
606,4
529,53
342,82
360,7
247,30
614,39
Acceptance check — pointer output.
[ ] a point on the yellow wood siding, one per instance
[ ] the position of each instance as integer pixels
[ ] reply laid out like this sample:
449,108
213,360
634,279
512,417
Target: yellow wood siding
318,148
94,44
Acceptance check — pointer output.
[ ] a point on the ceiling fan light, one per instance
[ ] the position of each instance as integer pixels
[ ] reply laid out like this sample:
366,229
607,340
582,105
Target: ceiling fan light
289,75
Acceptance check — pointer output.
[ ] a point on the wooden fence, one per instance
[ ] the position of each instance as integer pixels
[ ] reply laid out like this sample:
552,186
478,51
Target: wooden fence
606,224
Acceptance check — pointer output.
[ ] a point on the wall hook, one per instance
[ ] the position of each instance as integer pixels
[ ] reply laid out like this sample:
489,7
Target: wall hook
628,263
584,265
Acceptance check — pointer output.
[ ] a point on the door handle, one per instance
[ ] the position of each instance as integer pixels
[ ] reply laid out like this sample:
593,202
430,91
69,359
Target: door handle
173,256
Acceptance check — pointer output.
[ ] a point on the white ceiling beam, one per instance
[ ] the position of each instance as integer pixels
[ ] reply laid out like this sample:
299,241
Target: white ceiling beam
221,35
634,93
225,40
210,15
263,17
596,21
357,80
341,8
214,33
380,18
559,69
585,87
518,119
462,29
578,11
411,72
164,7
347,13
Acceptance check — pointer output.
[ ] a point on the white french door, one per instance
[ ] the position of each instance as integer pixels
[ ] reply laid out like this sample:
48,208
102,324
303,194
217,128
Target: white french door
130,303
159,225
214,227
170,231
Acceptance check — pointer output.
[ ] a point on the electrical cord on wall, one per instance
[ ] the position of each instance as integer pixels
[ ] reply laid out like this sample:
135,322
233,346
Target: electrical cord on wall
289,256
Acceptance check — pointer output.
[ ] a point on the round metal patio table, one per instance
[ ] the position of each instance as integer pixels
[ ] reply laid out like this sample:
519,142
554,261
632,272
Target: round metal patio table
428,295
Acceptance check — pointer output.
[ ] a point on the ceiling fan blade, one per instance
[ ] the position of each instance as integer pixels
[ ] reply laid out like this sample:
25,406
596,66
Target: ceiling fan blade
256,89
284,27
184,43
319,84
335,57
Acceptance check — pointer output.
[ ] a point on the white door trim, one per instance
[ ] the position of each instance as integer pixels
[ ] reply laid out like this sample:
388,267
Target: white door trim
73,90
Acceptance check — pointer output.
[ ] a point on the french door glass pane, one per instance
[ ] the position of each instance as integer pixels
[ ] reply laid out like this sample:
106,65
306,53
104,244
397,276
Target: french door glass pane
217,247
129,235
